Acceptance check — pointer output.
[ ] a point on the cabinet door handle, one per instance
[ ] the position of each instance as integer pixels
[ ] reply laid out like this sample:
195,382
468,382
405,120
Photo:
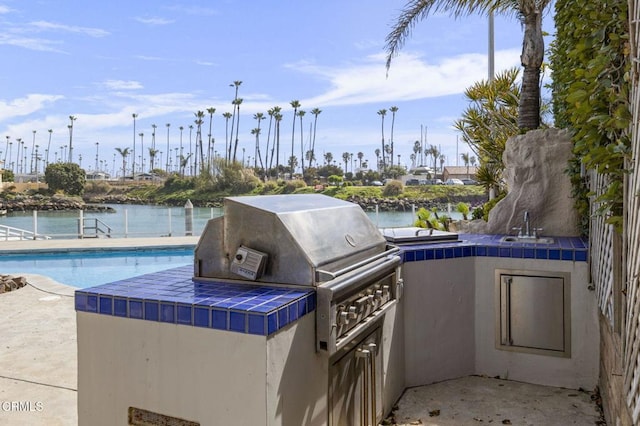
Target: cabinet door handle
505,310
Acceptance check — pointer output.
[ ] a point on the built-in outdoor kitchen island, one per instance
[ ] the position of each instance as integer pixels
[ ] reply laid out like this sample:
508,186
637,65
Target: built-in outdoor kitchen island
296,311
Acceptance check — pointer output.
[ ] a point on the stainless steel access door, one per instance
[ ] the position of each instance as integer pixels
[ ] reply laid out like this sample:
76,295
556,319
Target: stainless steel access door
355,383
534,312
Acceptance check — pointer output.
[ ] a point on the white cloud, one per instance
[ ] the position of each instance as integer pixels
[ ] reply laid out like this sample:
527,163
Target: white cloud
205,63
122,84
410,77
154,21
30,43
52,26
4,9
151,58
25,106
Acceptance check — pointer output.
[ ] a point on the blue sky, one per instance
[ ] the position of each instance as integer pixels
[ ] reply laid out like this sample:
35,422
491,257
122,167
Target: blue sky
164,60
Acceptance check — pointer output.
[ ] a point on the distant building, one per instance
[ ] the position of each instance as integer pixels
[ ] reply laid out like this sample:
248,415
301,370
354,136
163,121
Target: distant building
459,172
98,176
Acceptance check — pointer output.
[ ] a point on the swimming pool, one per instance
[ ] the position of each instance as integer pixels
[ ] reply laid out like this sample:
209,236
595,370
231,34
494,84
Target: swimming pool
86,268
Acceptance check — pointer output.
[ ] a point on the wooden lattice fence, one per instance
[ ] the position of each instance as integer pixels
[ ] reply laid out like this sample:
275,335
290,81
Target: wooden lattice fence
602,256
631,286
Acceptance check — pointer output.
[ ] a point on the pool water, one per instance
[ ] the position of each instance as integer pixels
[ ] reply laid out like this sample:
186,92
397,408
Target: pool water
84,269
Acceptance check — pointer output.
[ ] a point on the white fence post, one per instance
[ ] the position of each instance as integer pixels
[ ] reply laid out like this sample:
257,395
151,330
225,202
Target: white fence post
35,224
81,225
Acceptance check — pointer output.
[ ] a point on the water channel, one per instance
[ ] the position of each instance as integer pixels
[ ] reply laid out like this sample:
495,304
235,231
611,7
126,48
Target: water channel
150,221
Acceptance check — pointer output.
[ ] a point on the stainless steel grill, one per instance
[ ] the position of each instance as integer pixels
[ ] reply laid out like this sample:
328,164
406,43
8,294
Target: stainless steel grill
319,241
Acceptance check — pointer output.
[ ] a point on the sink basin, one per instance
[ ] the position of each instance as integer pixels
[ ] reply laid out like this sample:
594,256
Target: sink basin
514,239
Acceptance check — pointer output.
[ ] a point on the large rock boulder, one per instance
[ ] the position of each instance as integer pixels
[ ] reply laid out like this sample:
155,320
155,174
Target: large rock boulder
535,174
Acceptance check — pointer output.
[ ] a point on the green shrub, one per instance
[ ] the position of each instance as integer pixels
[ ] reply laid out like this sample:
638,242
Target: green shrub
489,205
393,188
66,177
97,187
292,185
268,187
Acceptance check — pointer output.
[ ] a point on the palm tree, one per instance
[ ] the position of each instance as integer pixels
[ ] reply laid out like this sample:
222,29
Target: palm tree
417,148
33,150
382,113
256,131
124,152
278,117
377,152
227,149
183,163
133,163
153,136
276,136
198,121
315,112
258,117
295,104
236,103
141,149
301,114
152,157
235,84
48,147
466,160
528,11
20,144
360,157
190,150
293,163
393,110
434,152
270,113
72,119
345,158
328,158
211,111
168,148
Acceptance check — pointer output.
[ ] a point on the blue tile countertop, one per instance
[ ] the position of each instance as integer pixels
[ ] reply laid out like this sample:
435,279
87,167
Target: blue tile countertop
172,296
477,245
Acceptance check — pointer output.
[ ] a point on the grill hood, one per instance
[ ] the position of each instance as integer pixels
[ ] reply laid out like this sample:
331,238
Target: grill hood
289,239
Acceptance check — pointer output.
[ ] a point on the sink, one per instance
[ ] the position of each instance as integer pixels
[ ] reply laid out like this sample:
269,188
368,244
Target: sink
515,239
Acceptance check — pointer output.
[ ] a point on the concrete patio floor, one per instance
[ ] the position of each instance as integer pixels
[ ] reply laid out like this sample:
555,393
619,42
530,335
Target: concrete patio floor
38,378
476,400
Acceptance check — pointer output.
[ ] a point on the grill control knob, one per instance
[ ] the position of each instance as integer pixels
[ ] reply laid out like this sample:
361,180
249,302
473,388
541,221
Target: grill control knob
343,318
353,312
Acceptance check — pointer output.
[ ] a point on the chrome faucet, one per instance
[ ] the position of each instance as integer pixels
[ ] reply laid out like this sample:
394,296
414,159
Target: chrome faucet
527,225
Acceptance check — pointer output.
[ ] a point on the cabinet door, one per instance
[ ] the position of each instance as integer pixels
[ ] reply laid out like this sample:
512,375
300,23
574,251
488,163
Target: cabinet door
355,386
535,313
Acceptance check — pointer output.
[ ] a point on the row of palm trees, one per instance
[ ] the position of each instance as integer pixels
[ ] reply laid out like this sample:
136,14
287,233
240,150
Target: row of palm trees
36,156
200,159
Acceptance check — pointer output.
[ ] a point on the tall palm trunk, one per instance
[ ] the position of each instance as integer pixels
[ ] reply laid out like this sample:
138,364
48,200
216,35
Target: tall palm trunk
235,146
531,58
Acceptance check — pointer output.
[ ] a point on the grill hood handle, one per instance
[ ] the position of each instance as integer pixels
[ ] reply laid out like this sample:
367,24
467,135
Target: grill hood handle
322,275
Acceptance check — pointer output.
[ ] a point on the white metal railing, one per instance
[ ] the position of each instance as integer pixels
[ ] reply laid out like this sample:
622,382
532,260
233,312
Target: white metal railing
95,227
9,233
89,227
